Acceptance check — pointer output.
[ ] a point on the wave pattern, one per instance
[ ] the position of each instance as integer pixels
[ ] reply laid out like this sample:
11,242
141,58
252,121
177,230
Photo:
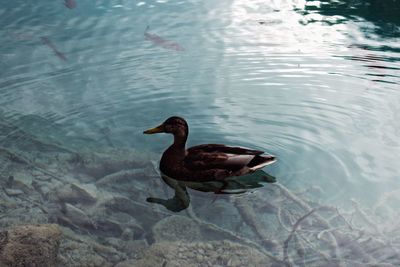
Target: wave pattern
321,92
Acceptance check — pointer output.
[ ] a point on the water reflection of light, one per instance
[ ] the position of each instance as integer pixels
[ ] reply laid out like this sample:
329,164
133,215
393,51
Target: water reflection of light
291,90
280,27
312,3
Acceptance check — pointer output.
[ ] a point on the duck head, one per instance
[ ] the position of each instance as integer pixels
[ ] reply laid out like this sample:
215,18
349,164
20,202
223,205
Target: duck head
176,126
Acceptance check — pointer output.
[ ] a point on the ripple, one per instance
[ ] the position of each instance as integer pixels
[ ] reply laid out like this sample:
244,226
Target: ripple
316,90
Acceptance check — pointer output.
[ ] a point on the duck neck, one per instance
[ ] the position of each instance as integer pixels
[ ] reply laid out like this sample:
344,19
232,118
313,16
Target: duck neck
179,141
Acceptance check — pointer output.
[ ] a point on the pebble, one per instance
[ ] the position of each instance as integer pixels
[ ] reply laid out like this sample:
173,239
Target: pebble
199,258
127,234
175,228
213,254
134,247
73,193
13,192
44,190
36,173
114,242
121,177
108,227
77,216
43,178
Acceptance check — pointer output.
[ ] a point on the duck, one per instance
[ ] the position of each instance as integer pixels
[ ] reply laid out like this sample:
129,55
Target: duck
205,162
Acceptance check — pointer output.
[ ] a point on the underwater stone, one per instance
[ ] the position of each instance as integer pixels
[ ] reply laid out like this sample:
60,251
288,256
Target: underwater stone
113,242
30,245
121,204
127,234
132,226
42,189
98,165
167,254
13,192
121,177
137,210
21,181
75,217
121,217
79,252
134,247
199,258
174,228
74,194
108,227
107,252
43,178
128,263
114,223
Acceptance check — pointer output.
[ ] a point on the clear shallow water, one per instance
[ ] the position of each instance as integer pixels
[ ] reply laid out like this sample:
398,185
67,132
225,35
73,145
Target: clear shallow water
314,82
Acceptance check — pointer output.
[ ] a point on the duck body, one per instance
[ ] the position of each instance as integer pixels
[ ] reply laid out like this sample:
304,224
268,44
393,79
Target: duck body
207,162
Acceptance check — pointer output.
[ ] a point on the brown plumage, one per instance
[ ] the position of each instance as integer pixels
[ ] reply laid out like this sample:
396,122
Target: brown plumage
206,162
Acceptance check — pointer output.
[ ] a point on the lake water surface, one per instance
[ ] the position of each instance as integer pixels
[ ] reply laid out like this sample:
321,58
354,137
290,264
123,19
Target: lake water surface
316,83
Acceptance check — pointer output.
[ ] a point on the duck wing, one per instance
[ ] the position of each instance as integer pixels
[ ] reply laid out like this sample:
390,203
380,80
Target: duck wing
216,156
224,149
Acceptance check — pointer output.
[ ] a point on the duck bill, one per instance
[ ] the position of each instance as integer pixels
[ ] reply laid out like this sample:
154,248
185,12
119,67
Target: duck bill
158,129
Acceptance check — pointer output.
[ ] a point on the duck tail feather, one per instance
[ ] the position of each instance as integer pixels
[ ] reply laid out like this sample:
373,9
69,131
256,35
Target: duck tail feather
261,161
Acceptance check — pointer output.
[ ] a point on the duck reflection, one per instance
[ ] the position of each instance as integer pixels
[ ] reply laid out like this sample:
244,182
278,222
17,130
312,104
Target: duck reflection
231,185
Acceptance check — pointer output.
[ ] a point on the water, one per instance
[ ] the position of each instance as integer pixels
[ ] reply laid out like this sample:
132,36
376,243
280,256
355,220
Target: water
315,83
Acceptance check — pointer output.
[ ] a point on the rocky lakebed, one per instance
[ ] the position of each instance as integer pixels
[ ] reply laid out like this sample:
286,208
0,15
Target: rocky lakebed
85,205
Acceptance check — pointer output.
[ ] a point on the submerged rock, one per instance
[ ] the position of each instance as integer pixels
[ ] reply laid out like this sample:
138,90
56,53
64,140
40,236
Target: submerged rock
13,192
18,182
75,217
121,177
79,253
30,245
134,247
141,212
215,253
128,263
108,227
174,228
78,249
127,234
98,165
74,194
119,224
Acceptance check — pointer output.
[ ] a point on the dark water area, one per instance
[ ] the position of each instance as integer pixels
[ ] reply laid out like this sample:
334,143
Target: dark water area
384,15
315,83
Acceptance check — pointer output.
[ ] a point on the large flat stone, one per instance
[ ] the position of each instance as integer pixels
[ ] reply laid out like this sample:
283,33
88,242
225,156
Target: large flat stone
30,245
